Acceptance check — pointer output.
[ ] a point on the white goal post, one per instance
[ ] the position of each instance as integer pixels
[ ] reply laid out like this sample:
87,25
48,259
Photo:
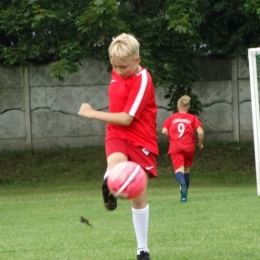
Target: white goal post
254,85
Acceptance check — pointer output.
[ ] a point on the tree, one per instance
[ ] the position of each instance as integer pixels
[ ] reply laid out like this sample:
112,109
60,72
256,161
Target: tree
229,28
62,32
172,34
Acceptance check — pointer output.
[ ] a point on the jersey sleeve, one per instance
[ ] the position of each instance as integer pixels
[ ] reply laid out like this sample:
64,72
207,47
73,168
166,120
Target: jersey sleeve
138,97
197,123
167,123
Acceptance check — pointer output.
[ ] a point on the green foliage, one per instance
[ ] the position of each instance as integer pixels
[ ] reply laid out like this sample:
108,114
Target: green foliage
61,32
229,28
166,47
258,68
179,15
172,34
253,7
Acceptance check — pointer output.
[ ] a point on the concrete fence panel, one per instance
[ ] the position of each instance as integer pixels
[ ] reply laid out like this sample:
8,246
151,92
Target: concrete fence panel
40,112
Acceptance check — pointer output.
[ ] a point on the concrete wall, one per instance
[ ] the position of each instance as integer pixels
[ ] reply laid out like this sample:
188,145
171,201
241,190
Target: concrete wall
40,112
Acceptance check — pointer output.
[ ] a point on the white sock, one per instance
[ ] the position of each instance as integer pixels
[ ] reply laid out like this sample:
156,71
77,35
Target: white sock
140,220
107,173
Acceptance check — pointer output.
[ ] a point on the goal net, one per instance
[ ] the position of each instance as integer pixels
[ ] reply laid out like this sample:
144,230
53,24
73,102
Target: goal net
254,73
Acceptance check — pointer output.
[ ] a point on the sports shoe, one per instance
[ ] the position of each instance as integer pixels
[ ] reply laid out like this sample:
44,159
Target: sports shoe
109,200
143,256
183,191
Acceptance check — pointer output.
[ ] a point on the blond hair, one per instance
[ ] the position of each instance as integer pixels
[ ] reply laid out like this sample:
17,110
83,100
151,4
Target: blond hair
184,102
124,46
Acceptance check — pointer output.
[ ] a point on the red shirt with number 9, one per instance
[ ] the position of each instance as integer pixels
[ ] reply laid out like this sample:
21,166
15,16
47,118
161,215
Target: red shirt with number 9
181,128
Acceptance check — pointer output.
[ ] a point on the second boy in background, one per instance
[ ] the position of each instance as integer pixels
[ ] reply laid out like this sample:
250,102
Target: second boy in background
180,127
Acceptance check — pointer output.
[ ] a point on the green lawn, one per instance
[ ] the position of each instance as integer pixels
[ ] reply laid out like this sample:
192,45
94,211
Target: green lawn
43,195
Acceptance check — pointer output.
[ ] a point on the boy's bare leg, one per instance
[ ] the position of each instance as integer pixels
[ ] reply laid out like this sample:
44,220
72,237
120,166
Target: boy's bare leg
110,201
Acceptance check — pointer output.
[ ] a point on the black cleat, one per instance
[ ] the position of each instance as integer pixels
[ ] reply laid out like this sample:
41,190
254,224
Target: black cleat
109,200
143,256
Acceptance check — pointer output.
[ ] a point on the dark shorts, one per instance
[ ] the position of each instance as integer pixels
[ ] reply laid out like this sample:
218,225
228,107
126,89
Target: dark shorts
137,154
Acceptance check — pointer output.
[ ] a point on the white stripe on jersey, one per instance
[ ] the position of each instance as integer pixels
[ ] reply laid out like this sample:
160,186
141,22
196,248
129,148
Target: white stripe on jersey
140,94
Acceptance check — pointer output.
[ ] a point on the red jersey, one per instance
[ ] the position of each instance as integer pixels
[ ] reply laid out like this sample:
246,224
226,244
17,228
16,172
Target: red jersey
134,96
181,128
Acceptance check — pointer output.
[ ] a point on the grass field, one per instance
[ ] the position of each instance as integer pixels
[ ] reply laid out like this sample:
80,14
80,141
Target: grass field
44,194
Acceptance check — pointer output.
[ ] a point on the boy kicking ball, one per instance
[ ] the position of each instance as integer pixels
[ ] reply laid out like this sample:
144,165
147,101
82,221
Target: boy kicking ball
131,128
179,128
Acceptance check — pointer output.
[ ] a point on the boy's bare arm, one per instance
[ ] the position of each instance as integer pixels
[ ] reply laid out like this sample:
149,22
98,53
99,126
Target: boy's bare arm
121,118
200,132
165,131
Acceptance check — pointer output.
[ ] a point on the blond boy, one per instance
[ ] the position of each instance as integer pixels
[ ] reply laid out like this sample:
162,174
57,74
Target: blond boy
179,128
131,127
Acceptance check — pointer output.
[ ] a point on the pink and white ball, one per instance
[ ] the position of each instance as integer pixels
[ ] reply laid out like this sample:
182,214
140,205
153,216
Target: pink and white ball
126,180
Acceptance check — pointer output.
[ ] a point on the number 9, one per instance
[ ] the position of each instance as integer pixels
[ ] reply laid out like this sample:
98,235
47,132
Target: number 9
181,129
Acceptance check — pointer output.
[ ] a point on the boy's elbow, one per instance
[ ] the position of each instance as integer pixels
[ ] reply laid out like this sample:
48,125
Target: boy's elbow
200,131
127,120
127,123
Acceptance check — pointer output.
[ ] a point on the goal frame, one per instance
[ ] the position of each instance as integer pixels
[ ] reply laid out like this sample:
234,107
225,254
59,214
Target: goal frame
252,52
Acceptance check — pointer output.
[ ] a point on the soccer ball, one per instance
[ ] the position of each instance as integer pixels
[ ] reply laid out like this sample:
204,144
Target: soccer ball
126,180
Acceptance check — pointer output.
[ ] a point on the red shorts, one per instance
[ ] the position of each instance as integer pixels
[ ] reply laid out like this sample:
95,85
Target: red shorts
184,158
137,154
